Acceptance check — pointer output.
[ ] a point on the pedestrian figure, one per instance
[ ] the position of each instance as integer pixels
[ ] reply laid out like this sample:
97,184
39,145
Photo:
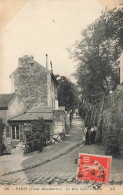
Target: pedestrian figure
85,131
71,117
87,135
93,134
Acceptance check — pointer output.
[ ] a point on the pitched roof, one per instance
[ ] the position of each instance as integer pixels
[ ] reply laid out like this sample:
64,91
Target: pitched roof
5,99
39,65
36,63
34,114
44,109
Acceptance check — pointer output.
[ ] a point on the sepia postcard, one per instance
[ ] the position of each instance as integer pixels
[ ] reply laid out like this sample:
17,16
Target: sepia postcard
61,89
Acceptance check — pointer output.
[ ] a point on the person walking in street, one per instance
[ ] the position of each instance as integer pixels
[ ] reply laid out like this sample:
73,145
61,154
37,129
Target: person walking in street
93,134
70,118
87,135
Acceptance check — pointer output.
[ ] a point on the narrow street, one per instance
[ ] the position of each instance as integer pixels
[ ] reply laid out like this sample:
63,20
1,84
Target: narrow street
57,164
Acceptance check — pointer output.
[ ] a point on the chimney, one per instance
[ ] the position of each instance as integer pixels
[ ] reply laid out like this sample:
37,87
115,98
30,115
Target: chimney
51,67
46,61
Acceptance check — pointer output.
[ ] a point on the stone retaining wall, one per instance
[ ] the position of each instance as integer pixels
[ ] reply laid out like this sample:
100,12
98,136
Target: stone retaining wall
107,115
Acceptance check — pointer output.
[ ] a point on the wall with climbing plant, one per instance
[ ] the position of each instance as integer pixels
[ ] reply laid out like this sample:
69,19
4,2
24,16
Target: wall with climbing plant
30,82
107,115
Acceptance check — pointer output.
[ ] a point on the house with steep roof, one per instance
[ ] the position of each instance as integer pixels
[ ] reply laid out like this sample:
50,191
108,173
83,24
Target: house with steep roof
55,121
32,85
35,83
10,106
20,126
5,100
34,90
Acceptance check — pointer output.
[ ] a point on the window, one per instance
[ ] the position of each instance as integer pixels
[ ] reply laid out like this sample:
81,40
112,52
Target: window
15,132
7,131
32,65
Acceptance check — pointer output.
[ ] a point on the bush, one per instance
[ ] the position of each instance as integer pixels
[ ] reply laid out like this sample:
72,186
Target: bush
33,145
112,145
2,149
38,138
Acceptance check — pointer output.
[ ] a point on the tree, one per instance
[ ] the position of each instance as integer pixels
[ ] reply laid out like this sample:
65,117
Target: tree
67,93
98,56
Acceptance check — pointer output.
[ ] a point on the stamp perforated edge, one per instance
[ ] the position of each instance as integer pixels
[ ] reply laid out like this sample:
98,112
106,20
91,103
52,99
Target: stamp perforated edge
105,156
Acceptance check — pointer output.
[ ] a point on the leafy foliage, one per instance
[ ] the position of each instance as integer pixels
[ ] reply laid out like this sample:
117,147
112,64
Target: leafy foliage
29,81
112,144
67,93
38,137
98,56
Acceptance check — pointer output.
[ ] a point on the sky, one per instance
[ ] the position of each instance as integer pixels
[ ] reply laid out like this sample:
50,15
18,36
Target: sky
46,26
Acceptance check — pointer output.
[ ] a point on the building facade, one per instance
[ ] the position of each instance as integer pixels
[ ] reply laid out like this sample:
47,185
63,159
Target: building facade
32,85
10,105
34,95
20,126
35,83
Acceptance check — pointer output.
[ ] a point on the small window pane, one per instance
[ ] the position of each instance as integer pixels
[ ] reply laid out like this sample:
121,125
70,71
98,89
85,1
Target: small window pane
13,133
7,131
17,127
32,65
17,133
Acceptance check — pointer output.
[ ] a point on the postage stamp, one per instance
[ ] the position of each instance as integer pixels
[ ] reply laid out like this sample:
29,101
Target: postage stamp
94,168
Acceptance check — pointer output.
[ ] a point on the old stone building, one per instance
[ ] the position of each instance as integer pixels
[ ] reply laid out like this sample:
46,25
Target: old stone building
20,126
32,86
34,96
35,83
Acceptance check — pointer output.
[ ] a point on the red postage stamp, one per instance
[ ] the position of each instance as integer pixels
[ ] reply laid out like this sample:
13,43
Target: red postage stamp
94,168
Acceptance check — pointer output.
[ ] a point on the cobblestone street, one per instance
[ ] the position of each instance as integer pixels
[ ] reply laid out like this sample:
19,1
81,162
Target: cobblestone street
57,163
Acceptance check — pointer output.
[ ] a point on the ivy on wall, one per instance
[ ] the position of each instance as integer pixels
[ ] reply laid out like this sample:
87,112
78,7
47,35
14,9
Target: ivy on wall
107,115
31,83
